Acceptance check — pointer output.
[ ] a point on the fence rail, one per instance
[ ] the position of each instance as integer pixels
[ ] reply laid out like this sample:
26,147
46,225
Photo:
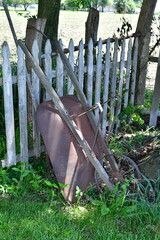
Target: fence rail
110,71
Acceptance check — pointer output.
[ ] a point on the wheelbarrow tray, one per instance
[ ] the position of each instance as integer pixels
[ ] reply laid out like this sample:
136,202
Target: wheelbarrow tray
68,160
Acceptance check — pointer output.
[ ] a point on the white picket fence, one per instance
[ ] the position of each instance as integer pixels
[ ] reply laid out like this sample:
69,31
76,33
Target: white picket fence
108,72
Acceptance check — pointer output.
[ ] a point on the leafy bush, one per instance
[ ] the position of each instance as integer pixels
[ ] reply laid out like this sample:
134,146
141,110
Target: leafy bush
19,181
131,115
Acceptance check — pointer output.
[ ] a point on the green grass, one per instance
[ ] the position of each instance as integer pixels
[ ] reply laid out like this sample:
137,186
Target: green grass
30,210
20,219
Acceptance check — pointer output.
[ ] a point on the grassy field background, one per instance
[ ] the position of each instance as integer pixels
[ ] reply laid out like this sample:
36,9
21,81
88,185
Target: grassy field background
71,25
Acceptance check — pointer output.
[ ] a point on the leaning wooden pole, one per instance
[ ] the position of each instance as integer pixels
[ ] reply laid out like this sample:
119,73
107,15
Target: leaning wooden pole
10,22
85,104
65,116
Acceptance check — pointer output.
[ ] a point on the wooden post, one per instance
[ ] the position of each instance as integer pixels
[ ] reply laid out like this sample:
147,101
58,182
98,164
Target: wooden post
34,30
143,27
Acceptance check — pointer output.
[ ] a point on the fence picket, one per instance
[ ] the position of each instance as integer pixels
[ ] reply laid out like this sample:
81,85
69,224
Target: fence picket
22,96
48,65
121,81
156,98
81,64
134,70
60,73
36,89
128,73
89,84
8,106
98,78
113,78
71,61
106,87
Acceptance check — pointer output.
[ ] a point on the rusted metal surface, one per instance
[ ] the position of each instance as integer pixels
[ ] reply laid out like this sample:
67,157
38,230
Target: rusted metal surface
69,163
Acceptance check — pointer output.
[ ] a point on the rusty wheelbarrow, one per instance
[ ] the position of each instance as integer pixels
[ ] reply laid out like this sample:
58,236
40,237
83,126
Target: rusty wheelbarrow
69,162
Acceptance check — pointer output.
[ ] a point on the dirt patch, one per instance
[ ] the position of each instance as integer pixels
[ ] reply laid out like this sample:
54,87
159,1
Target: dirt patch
150,165
144,150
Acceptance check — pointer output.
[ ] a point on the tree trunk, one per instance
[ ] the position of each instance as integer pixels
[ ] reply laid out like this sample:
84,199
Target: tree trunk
49,9
92,25
143,26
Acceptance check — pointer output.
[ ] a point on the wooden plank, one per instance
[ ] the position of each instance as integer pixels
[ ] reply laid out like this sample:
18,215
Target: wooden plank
71,61
113,78
48,64
81,64
64,114
106,87
8,106
121,81
98,78
128,73
60,73
22,96
134,72
36,90
156,98
89,84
